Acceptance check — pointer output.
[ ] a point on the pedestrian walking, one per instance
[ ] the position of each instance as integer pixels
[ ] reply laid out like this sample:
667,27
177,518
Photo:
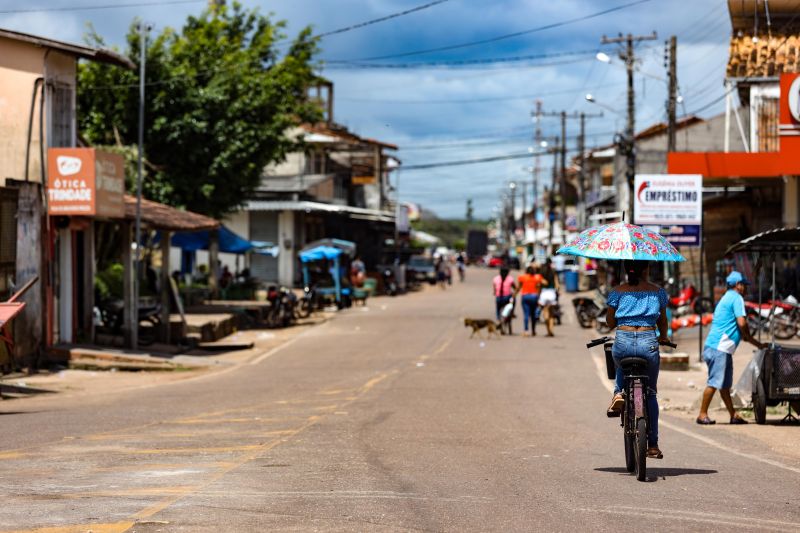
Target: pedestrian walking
638,309
529,286
728,328
548,297
462,266
441,272
503,288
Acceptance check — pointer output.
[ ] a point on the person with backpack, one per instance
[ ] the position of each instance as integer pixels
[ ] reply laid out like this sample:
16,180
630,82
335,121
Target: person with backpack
503,288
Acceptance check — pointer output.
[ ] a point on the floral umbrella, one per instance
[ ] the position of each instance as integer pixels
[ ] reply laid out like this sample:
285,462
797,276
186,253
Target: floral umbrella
622,241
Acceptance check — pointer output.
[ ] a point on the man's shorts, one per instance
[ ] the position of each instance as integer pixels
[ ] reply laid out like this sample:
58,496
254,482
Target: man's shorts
720,368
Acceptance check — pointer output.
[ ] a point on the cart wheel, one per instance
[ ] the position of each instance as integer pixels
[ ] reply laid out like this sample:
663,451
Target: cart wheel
760,403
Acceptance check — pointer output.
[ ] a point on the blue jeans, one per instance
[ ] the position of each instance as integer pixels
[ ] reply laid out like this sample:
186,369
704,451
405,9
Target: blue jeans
641,344
500,303
530,308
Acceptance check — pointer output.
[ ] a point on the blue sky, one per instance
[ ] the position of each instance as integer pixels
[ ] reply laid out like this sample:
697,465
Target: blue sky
487,106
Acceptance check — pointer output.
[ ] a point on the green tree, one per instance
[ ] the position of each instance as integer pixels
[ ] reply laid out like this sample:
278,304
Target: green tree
221,95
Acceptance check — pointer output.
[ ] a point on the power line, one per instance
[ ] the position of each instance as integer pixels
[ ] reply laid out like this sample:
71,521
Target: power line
99,6
502,37
461,162
468,62
476,100
380,19
506,59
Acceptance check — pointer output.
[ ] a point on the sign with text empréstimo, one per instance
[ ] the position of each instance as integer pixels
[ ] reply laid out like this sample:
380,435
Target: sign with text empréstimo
668,199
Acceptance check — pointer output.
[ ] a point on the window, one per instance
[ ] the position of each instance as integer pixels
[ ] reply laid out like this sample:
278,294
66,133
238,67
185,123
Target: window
61,115
768,125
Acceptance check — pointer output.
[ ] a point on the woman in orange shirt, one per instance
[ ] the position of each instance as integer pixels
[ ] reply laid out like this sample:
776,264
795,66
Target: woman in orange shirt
530,284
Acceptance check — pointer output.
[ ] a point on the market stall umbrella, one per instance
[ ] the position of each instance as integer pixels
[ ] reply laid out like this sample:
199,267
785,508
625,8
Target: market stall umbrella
622,241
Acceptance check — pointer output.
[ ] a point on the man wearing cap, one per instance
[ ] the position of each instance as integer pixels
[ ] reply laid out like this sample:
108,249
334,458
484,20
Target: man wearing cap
727,329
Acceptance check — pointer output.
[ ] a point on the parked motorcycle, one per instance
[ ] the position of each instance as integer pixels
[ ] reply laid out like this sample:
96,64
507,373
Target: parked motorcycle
109,318
282,307
587,309
688,301
308,303
389,282
784,317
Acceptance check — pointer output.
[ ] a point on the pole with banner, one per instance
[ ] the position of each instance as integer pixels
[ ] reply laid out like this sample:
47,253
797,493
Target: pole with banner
672,204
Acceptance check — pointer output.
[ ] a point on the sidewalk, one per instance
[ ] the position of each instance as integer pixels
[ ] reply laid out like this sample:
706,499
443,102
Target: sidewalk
104,371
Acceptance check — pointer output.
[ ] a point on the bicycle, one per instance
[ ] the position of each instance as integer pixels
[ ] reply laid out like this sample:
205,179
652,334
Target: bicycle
634,418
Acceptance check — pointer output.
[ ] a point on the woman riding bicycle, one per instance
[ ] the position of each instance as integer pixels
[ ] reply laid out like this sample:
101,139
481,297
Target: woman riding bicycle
637,308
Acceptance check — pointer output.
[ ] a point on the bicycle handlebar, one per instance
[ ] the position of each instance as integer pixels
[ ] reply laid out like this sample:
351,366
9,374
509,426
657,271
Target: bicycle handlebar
598,342
603,340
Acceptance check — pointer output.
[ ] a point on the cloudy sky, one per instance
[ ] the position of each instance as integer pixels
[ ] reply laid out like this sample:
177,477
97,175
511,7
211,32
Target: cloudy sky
478,109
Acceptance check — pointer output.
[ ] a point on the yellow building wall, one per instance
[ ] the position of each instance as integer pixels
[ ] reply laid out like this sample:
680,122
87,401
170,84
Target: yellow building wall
21,64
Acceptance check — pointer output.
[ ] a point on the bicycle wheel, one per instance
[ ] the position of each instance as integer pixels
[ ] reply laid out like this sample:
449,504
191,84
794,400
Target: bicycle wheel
630,455
641,449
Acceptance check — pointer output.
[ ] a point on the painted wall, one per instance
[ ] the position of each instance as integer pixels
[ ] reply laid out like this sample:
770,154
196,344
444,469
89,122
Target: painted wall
20,65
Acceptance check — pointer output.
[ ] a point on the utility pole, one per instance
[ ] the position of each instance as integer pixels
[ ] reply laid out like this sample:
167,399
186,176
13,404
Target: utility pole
137,258
524,208
537,137
551,200
628,56
563,184
672,101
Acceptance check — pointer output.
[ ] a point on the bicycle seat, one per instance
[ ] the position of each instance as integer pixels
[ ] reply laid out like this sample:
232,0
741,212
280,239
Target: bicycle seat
632,362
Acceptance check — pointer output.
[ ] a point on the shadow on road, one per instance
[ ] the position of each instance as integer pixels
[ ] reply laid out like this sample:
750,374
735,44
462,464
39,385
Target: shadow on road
653,474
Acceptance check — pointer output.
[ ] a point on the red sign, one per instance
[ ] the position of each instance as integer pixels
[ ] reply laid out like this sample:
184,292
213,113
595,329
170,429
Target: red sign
85,182
784,162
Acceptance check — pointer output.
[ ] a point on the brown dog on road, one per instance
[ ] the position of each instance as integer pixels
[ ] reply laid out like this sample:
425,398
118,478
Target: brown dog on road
477,324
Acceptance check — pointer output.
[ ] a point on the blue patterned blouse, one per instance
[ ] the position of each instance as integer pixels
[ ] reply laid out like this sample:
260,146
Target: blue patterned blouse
637,308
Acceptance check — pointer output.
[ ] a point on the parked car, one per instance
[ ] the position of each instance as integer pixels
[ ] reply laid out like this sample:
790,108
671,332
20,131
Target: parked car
421,269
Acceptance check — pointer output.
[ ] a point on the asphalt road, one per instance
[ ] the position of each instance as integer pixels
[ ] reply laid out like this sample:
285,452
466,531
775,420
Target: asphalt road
385,419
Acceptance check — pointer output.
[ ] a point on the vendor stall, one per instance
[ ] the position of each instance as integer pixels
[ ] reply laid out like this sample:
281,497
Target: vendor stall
330,253
774,373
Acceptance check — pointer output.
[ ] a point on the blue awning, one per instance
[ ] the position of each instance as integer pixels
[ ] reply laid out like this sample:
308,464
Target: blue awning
229,242
319,253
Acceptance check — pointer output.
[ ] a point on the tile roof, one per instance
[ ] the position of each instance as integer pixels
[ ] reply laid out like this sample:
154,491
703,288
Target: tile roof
164,217
342,133
767,57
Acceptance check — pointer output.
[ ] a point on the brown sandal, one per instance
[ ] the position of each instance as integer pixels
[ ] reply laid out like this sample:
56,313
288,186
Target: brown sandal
654,453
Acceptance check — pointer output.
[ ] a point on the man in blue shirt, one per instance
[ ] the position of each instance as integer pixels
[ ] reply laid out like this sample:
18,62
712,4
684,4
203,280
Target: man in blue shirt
728,328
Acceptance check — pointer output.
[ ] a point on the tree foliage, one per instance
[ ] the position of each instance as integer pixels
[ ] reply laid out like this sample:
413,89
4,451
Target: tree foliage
221,94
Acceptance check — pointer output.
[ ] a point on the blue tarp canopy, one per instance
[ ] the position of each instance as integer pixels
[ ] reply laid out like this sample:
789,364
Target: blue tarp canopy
229,242
319,253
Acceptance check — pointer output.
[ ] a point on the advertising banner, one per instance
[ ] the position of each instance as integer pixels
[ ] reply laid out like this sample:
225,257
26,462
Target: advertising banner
85,182
668,199
679,235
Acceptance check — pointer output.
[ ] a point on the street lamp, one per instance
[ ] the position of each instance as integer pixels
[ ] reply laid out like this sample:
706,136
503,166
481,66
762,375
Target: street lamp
591,99
602,56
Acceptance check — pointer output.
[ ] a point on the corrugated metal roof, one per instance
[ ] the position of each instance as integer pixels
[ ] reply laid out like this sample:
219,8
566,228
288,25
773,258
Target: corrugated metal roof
286,205
298,183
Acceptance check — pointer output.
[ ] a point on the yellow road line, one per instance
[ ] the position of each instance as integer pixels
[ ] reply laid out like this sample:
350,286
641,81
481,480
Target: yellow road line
312,420
117,527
